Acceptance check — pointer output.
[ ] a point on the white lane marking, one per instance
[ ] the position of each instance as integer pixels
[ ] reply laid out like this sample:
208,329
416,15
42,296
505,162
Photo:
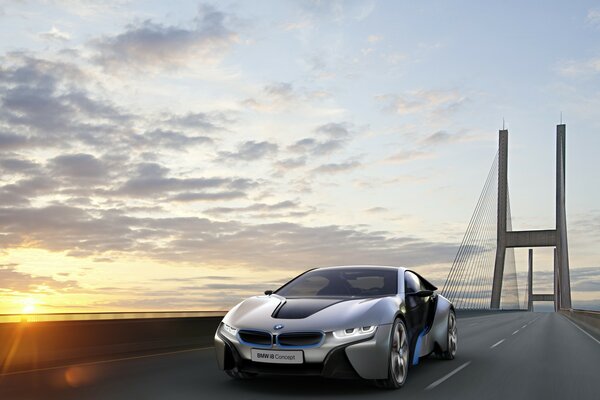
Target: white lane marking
494,345
443,378
515,332
104,361
581,329
524,326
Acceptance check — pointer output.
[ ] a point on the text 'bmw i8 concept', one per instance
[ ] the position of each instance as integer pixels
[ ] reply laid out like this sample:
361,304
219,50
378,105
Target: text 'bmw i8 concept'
367,322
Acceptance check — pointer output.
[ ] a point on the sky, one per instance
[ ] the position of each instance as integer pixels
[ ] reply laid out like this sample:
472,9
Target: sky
184,155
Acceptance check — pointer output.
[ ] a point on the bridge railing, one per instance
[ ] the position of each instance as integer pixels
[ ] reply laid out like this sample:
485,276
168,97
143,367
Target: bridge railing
587,318
36,342
106,315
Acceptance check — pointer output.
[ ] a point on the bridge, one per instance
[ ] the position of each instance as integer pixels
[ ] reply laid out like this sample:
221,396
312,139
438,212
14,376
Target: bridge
505,349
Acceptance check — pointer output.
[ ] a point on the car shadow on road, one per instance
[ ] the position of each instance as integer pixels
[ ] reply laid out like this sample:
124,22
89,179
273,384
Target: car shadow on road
301,386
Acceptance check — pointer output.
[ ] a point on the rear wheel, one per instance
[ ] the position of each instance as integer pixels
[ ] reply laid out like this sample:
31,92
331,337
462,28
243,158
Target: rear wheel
398,358
451,338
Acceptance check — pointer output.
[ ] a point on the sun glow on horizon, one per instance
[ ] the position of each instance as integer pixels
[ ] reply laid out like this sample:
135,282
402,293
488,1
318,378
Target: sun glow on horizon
28,305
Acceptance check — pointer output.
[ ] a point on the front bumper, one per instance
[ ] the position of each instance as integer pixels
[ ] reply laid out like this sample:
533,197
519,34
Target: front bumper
365,358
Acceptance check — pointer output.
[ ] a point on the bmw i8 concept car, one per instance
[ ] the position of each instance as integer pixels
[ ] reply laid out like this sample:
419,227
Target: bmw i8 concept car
370,322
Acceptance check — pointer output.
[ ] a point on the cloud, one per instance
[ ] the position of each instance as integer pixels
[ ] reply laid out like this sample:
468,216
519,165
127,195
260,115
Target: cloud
583,279
13,280
374,38
10,141
277,96
408,155
207,122
250,151
283,205
337,135
18,165
281,90
423,101
336,168
46,104
337,10
290,163
23,191
160,138
151,45
214,196
297,25
278,245
422,149
377,210
283,209
144,185
593,16
441,137
56,34
580,68
336,130
79,166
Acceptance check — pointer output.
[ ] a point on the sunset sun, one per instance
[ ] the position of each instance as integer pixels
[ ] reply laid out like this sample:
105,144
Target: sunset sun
28,305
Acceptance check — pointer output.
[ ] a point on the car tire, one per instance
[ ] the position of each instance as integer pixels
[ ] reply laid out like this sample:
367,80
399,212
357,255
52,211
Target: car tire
237,374
451,338
399,357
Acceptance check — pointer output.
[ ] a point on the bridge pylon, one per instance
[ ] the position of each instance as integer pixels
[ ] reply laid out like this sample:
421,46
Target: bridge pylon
556,237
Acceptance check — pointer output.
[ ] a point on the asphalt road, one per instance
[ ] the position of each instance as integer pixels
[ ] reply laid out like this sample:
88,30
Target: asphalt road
517,355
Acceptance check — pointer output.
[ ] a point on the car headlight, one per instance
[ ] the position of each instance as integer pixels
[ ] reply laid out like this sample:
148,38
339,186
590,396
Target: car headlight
228,329
354,332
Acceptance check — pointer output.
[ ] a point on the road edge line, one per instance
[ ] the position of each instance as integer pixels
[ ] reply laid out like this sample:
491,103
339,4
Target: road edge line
582,330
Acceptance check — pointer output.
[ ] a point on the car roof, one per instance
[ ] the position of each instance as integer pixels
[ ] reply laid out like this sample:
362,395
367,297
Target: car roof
428,284
363,266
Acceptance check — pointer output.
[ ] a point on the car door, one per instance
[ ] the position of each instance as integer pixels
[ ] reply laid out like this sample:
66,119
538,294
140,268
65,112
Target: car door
416,315
429,304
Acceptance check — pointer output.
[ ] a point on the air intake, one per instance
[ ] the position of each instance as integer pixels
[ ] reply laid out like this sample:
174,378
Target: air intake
299,339
256,338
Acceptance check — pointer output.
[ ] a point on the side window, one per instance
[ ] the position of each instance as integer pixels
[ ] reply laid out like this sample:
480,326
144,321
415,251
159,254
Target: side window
412,283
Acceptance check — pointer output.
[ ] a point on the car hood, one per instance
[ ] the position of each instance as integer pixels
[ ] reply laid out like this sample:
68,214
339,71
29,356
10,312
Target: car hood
322,314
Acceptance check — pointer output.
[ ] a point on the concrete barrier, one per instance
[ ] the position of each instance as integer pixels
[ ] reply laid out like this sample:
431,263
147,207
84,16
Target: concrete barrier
29,345
589,320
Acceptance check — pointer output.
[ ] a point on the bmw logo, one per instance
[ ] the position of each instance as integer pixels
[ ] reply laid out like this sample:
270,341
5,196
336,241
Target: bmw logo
278,327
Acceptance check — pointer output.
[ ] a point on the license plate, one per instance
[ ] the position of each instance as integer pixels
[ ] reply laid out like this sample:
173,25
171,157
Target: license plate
278,357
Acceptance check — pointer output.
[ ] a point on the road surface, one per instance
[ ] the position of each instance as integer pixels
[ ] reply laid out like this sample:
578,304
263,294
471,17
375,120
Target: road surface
518,355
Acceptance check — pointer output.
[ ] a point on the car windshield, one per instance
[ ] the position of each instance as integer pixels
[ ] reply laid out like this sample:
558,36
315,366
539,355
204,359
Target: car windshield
343,282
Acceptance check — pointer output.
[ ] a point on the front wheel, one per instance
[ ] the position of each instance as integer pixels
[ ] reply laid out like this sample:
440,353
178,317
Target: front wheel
451,338
398,358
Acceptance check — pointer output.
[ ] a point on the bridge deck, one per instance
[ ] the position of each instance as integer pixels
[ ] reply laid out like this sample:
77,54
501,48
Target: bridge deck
503,356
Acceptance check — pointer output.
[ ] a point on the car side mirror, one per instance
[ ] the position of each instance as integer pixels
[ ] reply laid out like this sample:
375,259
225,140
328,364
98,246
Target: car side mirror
421,293
268,292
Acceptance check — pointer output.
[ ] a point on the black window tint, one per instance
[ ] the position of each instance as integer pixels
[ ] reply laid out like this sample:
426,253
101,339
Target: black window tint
343,282
309,286
412,283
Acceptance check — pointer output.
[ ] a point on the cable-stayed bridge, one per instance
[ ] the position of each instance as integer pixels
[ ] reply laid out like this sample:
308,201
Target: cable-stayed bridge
501,354
483,274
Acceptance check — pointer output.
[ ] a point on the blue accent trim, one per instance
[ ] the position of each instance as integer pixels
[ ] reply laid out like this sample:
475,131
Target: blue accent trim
261,346
418,347
283,346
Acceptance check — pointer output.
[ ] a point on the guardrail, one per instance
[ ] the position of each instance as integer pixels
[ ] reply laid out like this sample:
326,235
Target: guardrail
588,319
106,315
39,344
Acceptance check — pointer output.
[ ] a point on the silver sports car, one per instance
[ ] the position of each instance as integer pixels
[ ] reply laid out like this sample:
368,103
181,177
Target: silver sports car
370,322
